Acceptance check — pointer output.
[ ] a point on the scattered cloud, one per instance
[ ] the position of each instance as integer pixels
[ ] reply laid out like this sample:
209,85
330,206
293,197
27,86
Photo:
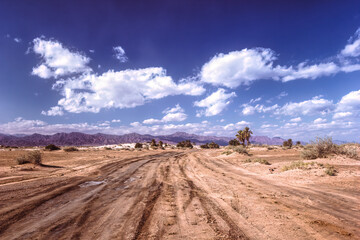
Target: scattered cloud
236,126
245,66
175,114
319,120
121,89
58,61
352,49
280,96
91,50
348,106
349,102
250,110
89,92
269,126
254,100
314,106
215,103
115,120
298,119
120,54
54,111
18,40
342,115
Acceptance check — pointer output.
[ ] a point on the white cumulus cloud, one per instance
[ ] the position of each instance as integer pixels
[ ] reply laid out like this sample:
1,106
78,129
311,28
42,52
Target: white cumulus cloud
314,106
54,111
58,61
175,114
121,89
215,103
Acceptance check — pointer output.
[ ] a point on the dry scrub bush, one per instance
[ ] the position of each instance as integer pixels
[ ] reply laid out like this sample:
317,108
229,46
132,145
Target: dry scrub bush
138,145
324,147
321,148
240,149
71,149
258,160
349,151
31,157
330,170
227,152
52,147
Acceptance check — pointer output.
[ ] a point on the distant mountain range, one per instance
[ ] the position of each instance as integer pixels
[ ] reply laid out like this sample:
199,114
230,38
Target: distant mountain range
82,139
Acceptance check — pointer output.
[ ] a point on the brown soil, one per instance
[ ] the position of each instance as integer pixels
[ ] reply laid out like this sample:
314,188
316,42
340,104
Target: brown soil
177,194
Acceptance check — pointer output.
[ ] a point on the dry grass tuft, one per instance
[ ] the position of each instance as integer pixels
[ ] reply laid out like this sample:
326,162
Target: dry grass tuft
299,165
258,160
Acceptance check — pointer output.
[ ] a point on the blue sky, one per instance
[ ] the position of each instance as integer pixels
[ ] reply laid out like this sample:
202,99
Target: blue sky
288,69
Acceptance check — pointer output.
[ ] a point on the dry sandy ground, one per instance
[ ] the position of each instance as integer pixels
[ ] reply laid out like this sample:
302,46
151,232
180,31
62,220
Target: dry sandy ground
177,194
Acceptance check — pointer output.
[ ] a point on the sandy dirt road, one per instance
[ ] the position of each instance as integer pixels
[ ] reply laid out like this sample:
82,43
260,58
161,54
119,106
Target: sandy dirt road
193,194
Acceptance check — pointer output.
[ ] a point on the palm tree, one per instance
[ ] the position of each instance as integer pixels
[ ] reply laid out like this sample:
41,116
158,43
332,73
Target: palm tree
247,134
240,135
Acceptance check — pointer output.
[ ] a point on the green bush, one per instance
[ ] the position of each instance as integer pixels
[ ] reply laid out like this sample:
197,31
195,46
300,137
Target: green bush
52,147
71,149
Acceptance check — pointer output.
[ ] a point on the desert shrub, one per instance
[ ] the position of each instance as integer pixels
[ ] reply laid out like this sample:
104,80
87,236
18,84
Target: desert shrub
153,143
240,149
22,160
71,149
205,146
52,147
248,160
288,143
258,160
234,142
227,152
270,148
138,145
349,151
321,148
107,148
31,157
185,144
298,165
298,143
210,145
330,170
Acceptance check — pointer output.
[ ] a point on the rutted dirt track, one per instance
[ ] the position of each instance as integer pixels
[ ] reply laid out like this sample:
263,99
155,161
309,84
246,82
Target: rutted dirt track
173,195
